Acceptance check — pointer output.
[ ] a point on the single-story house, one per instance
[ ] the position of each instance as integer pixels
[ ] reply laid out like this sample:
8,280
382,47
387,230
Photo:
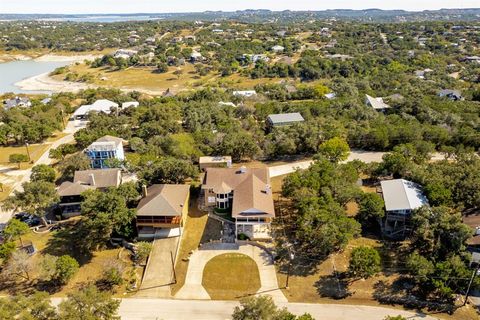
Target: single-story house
129,104
102,105
162,210
284,119
247,193
376,103
107,147
244,93
124,53
278,48
401,197
454,95
215,162
196,56
71,192
17,102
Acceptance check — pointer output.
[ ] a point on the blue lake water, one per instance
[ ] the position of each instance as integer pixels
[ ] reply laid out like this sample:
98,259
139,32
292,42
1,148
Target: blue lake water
15,71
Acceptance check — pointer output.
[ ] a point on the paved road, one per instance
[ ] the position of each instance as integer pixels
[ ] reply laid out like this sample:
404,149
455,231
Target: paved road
365,156
72,127
156,309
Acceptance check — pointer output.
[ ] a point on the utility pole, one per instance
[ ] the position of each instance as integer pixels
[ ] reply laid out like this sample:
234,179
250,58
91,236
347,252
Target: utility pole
28,151
173,268
291,256
474,274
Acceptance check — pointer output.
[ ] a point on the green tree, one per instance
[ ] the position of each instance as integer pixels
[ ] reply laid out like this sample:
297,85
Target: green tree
364,262
89,304
395,318
68,166
263,308
18,158
35,306
143,250
15,229
371,207
420,267
65,269
168,170
43,172
36,199
335,150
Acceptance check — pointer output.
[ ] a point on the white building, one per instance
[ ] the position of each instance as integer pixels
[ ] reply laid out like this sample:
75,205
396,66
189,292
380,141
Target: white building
102,105
245,93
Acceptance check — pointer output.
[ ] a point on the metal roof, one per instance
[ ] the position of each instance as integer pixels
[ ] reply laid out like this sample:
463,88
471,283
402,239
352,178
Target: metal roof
401,194
285,117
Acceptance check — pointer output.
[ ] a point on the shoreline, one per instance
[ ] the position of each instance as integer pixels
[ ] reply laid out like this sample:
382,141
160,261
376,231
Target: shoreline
43,82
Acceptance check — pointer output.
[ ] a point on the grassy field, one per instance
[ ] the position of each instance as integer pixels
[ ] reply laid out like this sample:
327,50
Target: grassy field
231,276
143,78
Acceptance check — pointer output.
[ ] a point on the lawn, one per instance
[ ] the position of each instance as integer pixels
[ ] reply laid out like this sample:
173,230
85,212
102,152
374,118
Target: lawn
231,276
36,151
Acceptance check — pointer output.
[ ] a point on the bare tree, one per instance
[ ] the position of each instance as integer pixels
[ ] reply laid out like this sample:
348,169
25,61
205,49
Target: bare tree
18,266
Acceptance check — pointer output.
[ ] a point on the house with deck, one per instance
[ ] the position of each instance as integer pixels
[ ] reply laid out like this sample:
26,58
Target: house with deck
103,149
162,211
401,198
71,192
246,193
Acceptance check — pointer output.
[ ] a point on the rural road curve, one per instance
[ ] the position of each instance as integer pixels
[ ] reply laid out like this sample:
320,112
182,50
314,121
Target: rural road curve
72,127
165,309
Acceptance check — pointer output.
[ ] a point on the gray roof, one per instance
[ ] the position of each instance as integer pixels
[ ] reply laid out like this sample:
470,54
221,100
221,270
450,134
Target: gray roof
449,92
103,178
376,103
285,117
401,194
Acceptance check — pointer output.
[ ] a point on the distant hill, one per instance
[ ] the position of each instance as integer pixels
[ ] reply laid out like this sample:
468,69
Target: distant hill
367,15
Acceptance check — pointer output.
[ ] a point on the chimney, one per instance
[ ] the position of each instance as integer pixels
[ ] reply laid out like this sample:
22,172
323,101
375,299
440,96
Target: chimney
92,179
144,190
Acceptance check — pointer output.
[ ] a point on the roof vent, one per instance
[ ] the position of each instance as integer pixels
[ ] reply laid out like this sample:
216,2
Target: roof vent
268,189
243,169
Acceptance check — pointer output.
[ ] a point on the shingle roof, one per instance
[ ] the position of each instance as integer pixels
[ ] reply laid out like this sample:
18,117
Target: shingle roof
249,187
69,188
104,178
285,117
164,200
401,194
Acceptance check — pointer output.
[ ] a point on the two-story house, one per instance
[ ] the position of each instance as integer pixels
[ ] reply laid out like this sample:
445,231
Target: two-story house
71,192
105,148
162,210
247,193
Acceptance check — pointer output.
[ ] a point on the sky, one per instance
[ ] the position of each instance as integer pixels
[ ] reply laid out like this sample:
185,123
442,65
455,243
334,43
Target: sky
163,6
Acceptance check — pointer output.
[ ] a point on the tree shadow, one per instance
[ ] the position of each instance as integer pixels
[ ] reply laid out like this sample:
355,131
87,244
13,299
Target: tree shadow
66,242
335,286
403,292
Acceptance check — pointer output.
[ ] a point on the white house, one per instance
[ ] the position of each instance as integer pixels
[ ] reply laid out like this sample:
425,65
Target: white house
376,103
129,104
401,198
245,93
102,105
278,48
124,53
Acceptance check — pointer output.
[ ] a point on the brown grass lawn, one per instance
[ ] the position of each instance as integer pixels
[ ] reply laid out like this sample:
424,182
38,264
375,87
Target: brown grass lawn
231,276
142,78
192,234
36,151
91,270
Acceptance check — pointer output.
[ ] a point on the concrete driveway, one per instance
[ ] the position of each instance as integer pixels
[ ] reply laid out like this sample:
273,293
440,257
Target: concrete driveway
158,274
193,289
